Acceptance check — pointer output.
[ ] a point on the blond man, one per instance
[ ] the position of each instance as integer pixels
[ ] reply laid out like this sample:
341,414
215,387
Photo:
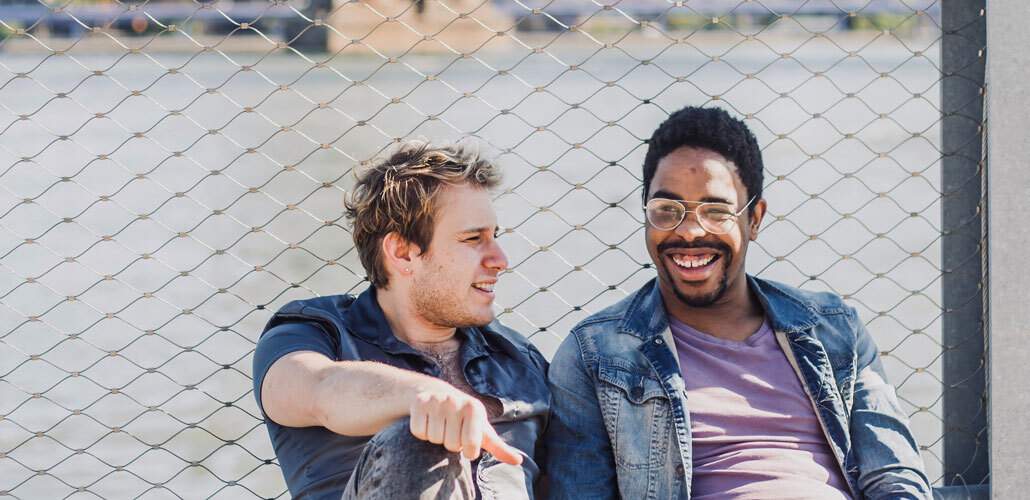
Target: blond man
411,389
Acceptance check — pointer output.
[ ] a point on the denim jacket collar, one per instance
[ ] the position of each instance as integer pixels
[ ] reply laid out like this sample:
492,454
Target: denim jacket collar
645,315
786,311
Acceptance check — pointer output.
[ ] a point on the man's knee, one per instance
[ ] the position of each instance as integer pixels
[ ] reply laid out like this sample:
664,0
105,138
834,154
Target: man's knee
398,436
396,442
397,433
395,462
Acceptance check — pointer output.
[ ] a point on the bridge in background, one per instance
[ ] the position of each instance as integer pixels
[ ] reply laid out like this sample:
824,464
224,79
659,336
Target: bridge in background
70,18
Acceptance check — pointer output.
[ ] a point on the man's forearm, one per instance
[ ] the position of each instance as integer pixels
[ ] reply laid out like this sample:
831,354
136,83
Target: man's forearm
359,398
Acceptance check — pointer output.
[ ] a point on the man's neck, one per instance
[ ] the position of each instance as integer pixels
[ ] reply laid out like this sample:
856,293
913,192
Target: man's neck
407,324
735,316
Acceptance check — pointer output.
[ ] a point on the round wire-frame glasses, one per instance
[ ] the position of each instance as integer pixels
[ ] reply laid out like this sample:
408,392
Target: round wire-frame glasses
717,218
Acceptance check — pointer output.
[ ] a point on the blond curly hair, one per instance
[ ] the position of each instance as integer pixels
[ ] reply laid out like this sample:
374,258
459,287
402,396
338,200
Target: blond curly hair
398,195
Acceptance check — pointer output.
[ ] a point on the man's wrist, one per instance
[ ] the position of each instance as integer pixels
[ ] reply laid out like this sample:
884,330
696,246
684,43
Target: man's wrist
426,384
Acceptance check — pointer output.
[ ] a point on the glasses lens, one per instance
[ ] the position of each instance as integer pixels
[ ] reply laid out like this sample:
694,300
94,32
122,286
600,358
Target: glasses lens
716,217
664,214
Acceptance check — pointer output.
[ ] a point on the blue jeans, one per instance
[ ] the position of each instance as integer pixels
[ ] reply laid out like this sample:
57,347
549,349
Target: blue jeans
396,465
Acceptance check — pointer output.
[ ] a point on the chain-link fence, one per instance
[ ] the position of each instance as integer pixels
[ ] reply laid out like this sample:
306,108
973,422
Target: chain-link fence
172,172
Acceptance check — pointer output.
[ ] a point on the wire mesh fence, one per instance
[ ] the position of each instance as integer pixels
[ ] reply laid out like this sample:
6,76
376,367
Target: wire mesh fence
172,172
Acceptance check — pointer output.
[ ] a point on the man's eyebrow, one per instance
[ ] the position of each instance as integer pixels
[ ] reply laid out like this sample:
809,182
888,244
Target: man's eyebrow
480,229
661,193
716,199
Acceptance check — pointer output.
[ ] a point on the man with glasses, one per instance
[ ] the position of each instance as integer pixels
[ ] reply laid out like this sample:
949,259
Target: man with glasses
710,383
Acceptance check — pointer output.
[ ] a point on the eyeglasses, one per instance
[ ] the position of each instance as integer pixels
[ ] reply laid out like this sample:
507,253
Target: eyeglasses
716,218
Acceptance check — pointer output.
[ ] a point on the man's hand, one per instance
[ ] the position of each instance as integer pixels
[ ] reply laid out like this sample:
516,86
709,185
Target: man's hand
459,422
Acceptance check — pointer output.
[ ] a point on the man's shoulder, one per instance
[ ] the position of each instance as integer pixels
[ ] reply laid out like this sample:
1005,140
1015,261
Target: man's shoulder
328,312
617,329
825,315
817,301
517,340
327,305
612,316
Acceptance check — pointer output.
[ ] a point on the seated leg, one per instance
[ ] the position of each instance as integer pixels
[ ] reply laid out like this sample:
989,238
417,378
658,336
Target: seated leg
396,465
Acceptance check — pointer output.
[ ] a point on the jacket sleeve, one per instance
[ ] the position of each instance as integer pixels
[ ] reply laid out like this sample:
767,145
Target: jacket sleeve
887,457
579,461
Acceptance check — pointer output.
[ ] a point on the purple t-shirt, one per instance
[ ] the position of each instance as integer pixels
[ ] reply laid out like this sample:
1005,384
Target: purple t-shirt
754,431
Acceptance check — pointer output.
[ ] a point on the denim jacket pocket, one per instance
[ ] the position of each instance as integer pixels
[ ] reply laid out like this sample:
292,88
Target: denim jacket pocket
636,411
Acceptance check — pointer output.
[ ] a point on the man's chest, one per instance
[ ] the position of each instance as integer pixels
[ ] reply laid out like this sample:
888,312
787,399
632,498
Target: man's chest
452,371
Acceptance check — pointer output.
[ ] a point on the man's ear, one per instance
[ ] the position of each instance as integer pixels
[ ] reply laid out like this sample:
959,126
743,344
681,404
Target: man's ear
755,218
398,253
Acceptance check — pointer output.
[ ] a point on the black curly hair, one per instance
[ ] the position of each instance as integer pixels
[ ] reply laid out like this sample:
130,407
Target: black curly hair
708,128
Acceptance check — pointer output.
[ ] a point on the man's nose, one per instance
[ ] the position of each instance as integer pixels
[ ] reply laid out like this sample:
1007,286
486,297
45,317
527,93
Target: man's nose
690,229
496,259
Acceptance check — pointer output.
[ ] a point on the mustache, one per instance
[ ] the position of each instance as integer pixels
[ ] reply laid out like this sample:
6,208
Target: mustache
714,245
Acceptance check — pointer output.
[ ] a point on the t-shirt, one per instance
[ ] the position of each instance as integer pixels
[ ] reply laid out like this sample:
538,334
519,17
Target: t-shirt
753,428
448,358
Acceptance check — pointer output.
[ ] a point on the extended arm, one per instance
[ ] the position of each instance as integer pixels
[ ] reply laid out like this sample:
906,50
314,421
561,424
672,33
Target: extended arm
358,398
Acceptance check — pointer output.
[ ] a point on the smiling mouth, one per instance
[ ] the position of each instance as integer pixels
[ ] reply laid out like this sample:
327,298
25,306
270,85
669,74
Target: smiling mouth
484,287
694,262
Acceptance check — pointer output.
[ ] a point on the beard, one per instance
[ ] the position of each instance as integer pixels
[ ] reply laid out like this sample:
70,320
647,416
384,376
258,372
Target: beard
700,299
444,307
704,299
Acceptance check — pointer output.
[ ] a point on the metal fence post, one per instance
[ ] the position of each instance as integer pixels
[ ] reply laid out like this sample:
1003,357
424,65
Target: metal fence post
964,363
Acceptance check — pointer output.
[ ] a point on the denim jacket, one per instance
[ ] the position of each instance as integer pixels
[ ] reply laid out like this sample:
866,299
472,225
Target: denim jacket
620,423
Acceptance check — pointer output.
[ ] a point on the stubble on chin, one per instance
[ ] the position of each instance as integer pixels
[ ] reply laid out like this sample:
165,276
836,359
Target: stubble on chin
445,309
697,299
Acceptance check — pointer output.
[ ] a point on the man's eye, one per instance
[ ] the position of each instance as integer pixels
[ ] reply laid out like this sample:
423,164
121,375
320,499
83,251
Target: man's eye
473,238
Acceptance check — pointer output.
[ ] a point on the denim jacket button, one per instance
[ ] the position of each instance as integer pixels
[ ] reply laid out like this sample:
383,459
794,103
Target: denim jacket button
679,469
658,341
637,392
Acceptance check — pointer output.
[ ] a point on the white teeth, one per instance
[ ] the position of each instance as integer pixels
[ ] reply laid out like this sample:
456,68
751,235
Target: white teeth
486,287
691,262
